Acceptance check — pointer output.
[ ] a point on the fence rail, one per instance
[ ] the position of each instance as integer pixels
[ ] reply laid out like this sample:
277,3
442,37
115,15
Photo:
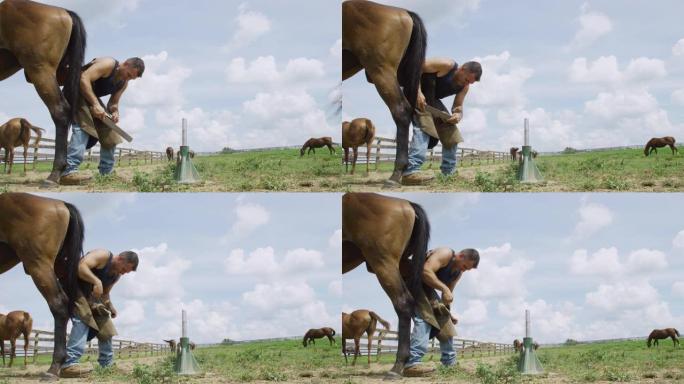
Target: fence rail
384,150
42,342
45,151
386,343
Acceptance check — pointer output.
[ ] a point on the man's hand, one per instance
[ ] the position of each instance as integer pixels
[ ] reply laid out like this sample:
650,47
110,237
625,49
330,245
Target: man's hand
115,116
455,118
97,289
98,112
113,312
454,320
420,101
447,297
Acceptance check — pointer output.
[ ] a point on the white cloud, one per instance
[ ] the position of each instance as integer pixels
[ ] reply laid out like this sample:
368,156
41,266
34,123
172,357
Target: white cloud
501,84
335,240
678,48
336,49
250,26
263,71
474,314
335,288
644,261
678,241
159,274
160,86
131,313
268,297
630,295
643,69
592,25
593,217
605,262
678,289
300,259
261,260
98,10
249,217
605,70
678,97
485,281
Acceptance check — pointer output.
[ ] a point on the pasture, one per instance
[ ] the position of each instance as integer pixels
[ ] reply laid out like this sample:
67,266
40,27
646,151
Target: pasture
595,171
270,170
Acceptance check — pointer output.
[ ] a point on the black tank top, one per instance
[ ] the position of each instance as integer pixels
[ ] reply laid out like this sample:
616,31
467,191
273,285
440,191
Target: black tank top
446,274
104,274
435,87
105,85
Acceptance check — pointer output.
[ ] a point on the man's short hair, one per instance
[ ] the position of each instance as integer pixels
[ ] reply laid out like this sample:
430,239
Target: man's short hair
131,258
472,255
475,68
138,64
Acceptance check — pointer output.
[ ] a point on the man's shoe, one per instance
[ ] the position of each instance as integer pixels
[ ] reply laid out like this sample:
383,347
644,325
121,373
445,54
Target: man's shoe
417,178
418,370
75,371
74,179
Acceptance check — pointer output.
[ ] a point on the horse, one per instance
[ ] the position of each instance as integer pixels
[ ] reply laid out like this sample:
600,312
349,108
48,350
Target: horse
384,232
320,142
517,345
535,345
46,236
169,153
49,44
514,153
659,142
318,333
359,131
389,43
14,133
172,344
657,334
13,325
191,153
357,323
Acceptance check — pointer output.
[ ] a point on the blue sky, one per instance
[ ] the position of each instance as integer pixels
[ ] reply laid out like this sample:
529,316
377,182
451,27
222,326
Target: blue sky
586,73
244,266
588,266
245,74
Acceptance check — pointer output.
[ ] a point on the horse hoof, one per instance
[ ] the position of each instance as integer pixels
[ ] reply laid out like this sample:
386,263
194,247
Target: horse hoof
48,184
47,376
391,184
391,375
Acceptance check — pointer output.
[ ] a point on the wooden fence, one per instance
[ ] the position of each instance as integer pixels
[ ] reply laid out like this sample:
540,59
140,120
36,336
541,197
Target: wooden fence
384,150
45,151
386,343
42,342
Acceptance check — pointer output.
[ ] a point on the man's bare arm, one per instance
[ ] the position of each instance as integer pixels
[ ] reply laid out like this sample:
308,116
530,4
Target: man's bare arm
99,69
93,259
113,103
440,66
438,259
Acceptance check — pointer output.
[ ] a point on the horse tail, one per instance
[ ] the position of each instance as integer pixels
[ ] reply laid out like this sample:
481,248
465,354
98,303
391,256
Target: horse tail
382,321
25,125
411,65
71,252
72,61
28,324
417,246
370,131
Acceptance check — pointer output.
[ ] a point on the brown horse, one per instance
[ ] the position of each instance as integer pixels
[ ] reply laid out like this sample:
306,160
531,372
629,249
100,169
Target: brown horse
384,232
49,43
169,153
14,133
517,345
389,43
659,142
320,142
172,344
318,333
514,153
360,131
46,235
535,345
357,323
657,334
13,325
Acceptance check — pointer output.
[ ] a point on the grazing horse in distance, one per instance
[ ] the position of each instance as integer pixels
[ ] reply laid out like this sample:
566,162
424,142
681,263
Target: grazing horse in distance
49,44
314,143
14,133
514,153
517,345
46,236
172,344
657,334
389,43
391,236
357,323
169,153
535,345
318,333
13,325
360,131
659,142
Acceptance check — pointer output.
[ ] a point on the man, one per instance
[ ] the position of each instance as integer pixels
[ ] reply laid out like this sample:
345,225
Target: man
443,269
441,78
98,271
102,76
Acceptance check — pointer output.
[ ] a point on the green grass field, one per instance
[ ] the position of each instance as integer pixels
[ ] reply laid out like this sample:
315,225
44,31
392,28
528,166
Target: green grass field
614,170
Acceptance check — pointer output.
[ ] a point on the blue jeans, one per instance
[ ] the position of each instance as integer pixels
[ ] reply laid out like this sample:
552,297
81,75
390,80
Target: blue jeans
420,337
77,343
76,151
418,152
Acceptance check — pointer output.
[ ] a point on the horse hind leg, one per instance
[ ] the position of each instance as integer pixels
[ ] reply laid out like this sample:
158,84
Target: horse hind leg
357,349
355,153
13,350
